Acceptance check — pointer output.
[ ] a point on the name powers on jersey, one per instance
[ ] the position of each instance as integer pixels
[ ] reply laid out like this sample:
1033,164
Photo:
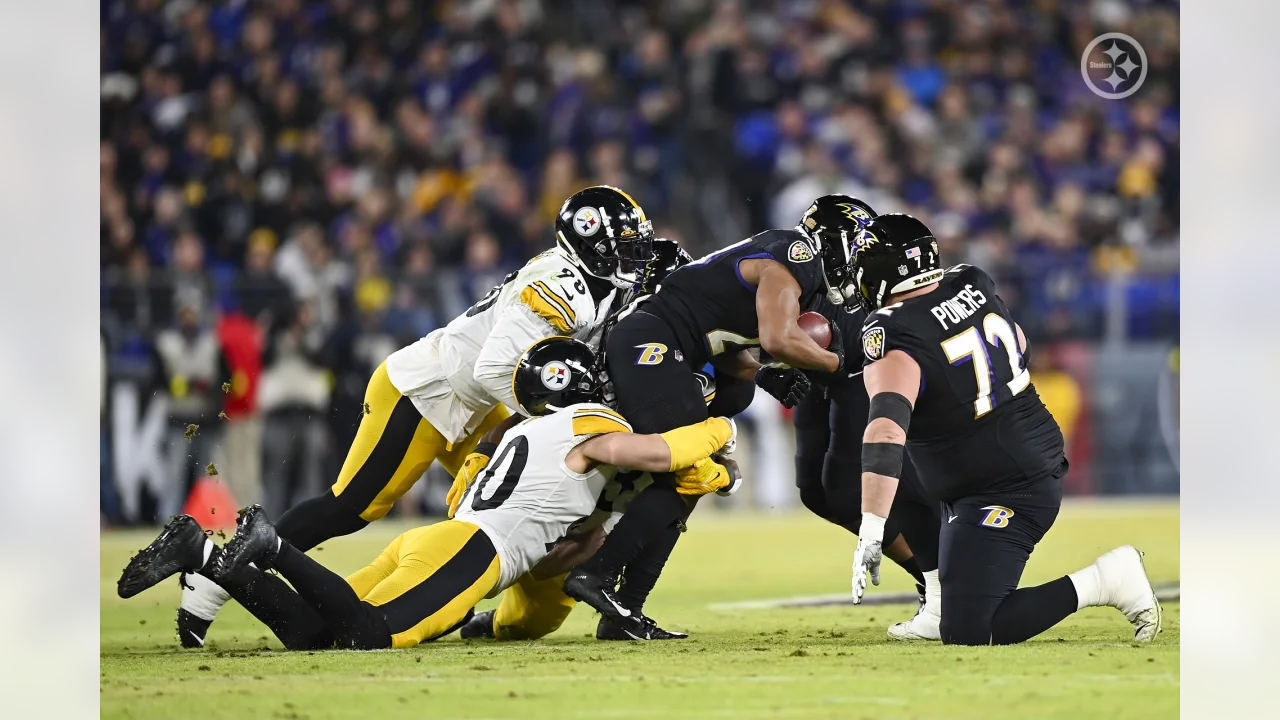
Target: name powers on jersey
955,309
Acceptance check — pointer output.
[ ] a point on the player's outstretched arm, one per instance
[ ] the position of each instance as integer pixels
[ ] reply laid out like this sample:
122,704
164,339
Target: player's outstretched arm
673,450
777,307
892,383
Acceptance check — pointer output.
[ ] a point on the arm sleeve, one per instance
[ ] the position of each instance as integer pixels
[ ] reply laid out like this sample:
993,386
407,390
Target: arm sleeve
516,329
692,443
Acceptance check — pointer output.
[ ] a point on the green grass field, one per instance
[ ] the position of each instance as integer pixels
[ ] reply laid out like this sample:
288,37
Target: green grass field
805,662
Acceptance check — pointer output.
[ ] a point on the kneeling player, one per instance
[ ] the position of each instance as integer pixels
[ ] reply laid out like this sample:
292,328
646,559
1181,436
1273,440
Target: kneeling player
548,474
946,371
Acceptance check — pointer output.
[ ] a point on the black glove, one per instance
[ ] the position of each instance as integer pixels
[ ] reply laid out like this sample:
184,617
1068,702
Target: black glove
788,385
827,379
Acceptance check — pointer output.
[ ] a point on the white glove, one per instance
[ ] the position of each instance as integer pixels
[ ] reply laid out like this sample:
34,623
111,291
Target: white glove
866,559
732,445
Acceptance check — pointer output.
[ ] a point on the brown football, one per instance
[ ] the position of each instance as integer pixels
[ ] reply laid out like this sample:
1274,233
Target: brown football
816,327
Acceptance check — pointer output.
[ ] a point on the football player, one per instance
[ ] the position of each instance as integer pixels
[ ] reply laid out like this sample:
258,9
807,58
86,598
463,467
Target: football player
829,424
537,605
946,371
744,296
550,472
433,400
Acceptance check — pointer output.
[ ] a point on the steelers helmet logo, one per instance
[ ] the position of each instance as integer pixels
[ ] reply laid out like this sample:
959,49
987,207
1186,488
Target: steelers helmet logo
555,375
586,221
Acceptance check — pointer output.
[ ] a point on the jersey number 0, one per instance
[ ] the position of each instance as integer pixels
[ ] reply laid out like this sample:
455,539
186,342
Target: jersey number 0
518,452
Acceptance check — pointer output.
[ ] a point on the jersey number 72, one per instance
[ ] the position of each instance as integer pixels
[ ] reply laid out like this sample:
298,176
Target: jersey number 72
968,346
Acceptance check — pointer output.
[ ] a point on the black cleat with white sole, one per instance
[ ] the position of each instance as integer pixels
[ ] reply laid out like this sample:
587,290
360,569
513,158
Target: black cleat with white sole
255,541
479,626
607,630
178,548
595,591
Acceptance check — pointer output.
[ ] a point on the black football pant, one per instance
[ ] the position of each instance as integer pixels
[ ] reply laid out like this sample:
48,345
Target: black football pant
829,427
656,391
985,543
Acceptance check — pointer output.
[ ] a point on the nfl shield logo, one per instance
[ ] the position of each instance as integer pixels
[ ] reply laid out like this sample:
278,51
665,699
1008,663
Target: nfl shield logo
902,269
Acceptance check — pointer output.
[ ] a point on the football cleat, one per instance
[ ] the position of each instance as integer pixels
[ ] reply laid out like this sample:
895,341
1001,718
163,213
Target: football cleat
924,626
595,591
607,630
178,548
479,626
255,541
1125,587
192,629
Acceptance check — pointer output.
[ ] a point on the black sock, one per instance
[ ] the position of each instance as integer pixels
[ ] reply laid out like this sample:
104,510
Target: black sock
642,573
355,624
655,509
1027,612
277,606
913,568
313,521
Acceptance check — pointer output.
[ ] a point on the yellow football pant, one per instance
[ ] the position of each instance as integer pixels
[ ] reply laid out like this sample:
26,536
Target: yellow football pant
531,609
394,446
427,580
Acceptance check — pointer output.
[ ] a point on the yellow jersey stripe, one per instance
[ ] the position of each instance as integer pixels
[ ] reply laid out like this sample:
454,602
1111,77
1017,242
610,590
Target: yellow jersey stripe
551,295
597,425
601,410
544,309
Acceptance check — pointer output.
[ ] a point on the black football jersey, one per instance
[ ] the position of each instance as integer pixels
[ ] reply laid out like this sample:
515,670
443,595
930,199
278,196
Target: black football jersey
978,424
713,310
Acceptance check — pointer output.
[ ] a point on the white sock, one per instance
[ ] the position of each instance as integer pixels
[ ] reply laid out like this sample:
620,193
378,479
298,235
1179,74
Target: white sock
203,597
1088,584
932,593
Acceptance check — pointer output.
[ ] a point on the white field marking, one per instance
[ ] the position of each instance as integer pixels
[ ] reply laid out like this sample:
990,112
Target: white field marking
1165,592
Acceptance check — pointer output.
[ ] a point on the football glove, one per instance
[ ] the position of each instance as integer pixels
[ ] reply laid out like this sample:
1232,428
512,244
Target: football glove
866,559
471,469
707,476
786,384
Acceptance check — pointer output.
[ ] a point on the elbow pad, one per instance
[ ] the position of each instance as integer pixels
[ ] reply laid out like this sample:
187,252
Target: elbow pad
692,443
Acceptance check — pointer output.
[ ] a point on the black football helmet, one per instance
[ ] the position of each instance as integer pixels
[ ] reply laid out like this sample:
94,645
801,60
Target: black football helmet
832,224
894,254
604,232
554,373
668,257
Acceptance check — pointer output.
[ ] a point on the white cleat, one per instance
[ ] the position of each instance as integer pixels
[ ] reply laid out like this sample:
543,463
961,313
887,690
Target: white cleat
1126,588
924,626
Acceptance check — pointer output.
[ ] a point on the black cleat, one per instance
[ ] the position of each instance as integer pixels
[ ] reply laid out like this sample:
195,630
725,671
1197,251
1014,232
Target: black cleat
179,548
192,629
255,541
479,626
608,631
595,591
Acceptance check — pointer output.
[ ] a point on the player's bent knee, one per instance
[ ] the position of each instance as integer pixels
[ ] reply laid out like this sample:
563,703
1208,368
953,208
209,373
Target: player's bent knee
967,621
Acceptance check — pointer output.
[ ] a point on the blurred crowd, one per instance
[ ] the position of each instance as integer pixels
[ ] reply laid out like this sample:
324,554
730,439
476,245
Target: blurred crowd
292,189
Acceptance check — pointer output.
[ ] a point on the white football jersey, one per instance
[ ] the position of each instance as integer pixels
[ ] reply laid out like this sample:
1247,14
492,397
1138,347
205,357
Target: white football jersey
527,499
456,375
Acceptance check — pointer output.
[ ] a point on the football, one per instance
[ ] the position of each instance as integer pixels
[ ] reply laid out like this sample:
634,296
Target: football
816,327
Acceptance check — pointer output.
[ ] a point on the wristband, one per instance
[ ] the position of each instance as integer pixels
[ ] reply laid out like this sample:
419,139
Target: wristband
872,529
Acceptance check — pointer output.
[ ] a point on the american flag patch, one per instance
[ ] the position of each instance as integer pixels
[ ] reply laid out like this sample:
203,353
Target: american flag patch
913,252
